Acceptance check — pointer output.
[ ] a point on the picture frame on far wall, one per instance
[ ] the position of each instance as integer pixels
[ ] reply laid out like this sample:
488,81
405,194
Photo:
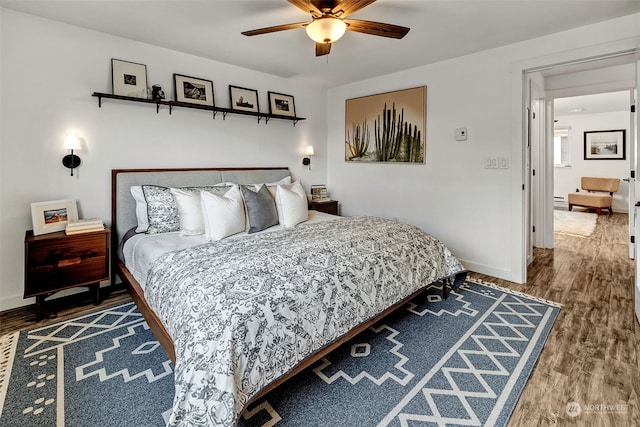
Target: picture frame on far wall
389,127
243,99
281,104
53,215
129,78
605,145
193,90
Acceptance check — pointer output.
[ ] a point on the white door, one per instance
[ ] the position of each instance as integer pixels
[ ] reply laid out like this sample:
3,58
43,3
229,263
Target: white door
529,194
536,155
632,180
635,126
528,238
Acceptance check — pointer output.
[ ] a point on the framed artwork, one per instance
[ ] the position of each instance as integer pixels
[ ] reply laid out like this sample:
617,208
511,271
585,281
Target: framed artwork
243,99
281,104
388,127
53,215
605,145
129,78
193,90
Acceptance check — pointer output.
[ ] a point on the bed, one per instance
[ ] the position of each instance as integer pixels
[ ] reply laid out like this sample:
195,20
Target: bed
239,315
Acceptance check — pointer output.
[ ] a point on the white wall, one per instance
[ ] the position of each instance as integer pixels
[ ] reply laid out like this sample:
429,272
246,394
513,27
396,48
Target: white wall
477,212
49,71
567,179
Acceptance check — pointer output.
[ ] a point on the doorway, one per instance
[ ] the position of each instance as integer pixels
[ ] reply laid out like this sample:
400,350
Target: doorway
591,115
555,95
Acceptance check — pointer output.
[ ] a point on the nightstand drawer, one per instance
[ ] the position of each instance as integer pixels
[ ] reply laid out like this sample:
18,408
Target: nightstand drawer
56,261
68,272
57,252
329,206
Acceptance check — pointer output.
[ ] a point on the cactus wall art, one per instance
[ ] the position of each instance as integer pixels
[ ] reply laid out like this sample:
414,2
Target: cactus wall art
388,127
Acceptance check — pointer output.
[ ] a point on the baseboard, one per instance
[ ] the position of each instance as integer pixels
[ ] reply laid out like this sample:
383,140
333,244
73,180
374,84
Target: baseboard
9,303
500,273
17,301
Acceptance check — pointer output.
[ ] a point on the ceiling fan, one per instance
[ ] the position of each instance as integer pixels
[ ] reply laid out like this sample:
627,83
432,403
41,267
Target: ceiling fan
329,23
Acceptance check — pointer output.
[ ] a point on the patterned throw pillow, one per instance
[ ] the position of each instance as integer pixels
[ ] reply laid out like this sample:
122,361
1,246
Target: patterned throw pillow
162,209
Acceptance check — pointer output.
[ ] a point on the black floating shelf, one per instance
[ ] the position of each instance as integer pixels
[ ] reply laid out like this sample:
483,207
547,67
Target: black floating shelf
214,110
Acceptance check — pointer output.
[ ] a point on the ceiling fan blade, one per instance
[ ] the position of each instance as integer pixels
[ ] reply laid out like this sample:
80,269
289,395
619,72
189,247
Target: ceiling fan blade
274,29
323,49
307,7
377,28
347,7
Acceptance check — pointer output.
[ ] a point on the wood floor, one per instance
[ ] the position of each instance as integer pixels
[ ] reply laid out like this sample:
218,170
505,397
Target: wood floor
60,309
591,356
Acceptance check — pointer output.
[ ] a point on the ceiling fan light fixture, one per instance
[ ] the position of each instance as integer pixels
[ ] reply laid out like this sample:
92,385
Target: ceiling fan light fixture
326,29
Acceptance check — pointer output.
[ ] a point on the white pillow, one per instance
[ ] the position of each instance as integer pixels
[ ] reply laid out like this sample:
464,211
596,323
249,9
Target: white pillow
292,205
141,209
189,211
222,215
271,186
285,180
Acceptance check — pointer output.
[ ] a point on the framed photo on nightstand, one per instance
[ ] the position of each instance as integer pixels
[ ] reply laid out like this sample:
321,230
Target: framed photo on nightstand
52,216
319,193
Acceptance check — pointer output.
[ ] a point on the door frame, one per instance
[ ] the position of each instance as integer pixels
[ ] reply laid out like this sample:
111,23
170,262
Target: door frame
543,199
520,193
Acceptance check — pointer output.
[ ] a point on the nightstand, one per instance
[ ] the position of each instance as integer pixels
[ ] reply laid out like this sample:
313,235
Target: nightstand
329,206
55,261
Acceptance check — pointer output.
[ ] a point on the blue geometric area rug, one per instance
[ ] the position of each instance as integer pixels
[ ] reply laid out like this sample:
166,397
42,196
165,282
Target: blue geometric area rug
101,369
460,361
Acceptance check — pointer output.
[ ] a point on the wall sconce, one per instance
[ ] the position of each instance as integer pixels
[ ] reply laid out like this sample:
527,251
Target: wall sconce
71,161
308,153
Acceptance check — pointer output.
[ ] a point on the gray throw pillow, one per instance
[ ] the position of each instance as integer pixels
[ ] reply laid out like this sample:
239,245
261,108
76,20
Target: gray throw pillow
261,208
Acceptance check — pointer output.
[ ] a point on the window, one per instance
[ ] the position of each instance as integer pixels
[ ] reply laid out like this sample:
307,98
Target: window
561,147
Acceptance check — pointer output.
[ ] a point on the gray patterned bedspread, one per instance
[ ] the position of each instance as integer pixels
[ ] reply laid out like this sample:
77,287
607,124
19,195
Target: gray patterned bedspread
243,312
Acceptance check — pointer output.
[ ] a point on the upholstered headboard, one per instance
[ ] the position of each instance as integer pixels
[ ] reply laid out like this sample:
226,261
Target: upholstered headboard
123,206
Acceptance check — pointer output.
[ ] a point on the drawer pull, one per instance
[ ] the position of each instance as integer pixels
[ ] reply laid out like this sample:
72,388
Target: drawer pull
68,262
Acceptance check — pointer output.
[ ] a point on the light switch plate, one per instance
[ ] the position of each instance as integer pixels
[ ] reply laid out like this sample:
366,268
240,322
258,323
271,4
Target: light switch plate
461,134
491,163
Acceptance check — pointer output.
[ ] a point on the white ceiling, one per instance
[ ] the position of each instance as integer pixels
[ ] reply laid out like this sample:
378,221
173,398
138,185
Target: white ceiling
440,30
592,104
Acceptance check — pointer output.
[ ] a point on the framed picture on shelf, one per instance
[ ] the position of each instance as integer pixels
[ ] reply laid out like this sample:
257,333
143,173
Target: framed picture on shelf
53,215
281,105
605,145
193,90
243,99
129,78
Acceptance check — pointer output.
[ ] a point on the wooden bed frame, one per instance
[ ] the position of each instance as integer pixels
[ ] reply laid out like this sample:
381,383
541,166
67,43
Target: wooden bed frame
137,294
